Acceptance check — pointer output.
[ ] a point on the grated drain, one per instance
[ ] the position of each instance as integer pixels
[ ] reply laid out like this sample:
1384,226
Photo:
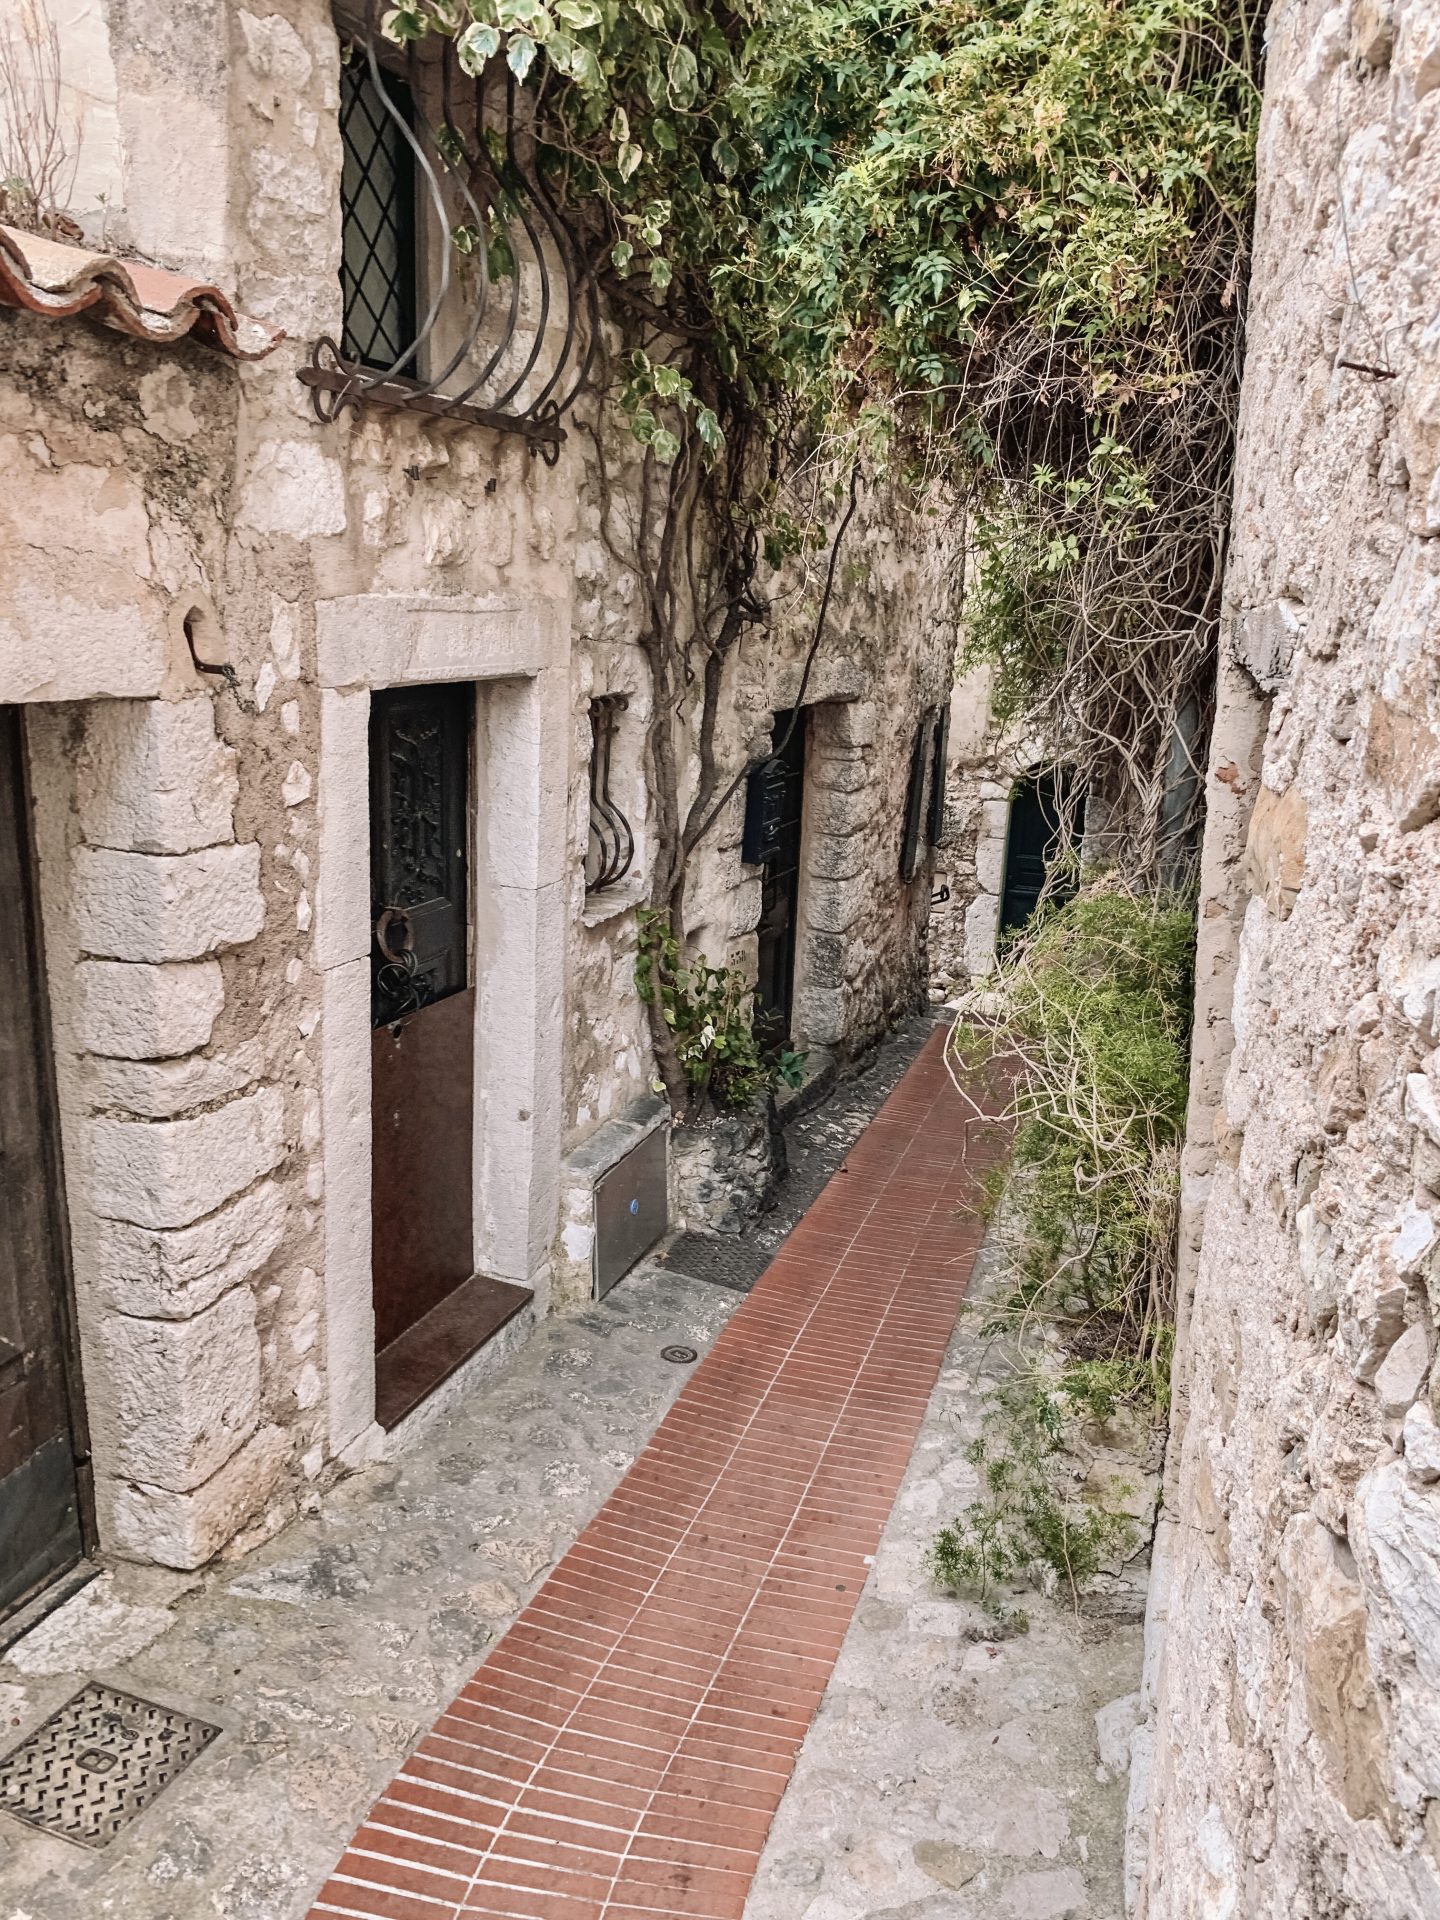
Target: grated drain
97,1762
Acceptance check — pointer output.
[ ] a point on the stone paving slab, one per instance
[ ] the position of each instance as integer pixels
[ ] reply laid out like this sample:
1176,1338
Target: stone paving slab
950,1775
624,1749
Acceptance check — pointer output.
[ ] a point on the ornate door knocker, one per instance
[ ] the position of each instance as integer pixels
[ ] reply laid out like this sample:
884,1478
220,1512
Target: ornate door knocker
399,981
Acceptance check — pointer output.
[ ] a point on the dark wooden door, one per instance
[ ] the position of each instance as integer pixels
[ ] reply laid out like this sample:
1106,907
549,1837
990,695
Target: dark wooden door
779,800
40,1519
1038,808
422,1004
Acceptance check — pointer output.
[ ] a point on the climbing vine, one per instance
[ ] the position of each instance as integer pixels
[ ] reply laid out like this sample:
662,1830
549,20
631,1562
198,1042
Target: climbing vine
992,250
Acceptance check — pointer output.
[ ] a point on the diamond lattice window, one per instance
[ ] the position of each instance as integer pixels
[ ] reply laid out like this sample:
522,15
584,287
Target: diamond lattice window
377,195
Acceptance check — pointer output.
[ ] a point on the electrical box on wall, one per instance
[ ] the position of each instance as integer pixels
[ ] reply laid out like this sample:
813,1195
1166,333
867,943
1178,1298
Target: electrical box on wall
631,1210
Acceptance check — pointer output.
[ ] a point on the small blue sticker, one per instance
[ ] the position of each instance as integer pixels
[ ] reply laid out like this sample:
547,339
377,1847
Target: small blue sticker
634,1206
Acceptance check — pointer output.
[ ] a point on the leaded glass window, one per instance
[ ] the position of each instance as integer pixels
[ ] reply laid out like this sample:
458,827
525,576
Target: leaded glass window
377,202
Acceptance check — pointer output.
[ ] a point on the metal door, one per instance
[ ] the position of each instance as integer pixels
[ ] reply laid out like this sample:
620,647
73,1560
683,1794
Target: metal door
1038,805
422,1005
778,801
40,1516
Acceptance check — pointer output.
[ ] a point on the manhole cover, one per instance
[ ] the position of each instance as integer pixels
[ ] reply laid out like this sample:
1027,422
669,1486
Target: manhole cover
681,1356
97,1762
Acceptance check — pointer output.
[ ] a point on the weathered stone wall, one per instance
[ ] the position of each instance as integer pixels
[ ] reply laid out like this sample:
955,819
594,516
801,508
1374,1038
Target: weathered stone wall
1296,1765
982,768
202,849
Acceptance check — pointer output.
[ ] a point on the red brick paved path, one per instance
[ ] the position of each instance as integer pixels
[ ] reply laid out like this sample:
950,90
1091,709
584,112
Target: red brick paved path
625,1746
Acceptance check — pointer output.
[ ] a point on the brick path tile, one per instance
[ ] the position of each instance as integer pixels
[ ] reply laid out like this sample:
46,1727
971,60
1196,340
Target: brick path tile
621,1753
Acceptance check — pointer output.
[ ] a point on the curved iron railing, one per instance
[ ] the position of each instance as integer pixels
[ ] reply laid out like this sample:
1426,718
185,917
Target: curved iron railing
476,175
612,841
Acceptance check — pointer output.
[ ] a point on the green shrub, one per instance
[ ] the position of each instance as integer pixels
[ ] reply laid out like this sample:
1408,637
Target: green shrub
1093,1030
707,1009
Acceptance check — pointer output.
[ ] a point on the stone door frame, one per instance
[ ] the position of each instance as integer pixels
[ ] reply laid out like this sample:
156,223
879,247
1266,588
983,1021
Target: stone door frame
512,653
843,728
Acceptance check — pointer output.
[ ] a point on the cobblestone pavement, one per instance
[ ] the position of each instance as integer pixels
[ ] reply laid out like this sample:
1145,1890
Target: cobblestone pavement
325,1654
949,1775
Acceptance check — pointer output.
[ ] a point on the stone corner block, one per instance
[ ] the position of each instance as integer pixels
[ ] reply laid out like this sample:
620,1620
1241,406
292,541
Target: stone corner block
185,1393
157,907
184,1530
166,1173
154,777
171,1273
132,1010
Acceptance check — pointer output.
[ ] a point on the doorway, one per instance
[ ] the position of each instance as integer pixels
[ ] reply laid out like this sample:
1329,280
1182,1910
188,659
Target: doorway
41,1526
1044,823
431,1309
775,812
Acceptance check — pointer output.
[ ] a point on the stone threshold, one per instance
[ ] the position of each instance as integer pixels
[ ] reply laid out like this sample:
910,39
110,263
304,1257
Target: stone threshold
425,1355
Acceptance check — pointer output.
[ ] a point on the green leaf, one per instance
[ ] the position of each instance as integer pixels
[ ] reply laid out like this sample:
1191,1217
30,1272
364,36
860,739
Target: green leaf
628,159
709,429
668,382
520,55
621,255
725,158
682,76
450,146
586,71
401,24
620,126
663,134
578,14
644,426
475,46
661,273
666,444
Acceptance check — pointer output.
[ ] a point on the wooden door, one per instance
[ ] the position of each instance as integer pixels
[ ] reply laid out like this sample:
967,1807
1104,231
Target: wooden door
423,1006
40,1513
780,800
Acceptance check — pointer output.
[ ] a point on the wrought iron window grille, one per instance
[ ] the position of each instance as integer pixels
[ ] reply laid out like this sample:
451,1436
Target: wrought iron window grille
611,851
503,332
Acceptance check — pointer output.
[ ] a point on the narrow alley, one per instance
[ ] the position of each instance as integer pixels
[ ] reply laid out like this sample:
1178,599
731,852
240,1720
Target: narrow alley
624,1747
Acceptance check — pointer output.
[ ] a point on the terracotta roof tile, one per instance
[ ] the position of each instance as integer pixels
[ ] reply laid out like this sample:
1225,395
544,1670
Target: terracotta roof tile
52,277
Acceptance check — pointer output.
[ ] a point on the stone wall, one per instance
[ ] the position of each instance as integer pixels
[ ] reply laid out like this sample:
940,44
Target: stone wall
201,586
1295,1643
981,771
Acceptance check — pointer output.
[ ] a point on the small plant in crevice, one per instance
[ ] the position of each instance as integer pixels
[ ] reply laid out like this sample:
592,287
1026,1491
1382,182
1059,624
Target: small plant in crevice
1090,1025
707,1010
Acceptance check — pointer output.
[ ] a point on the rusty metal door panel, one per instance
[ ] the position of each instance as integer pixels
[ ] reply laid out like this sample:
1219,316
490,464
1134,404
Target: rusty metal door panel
630,1210
422,1125
40,1521
422,1047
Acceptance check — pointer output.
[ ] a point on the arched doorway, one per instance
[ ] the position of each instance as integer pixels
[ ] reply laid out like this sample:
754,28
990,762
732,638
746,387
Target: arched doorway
1044,820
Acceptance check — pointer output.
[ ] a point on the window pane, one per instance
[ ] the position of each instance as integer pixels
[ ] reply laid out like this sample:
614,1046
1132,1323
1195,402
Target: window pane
377,201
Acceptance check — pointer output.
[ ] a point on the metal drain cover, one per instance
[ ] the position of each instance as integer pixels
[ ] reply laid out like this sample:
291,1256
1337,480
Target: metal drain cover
97,1762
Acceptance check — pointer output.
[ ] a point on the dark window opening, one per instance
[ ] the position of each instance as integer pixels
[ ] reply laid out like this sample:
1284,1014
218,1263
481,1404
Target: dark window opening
774,823
926,753
935,823
378,241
